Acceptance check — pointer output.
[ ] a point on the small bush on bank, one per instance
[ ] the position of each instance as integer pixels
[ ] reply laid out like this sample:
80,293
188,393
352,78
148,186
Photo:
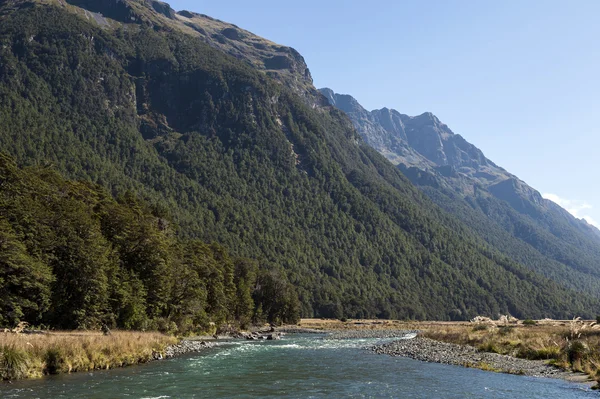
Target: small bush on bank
505,330
13,363
489,347
538,354
576,351
529,322
53,360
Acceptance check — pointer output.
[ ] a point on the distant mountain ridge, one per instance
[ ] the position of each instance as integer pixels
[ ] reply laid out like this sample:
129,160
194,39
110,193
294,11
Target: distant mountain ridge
451,170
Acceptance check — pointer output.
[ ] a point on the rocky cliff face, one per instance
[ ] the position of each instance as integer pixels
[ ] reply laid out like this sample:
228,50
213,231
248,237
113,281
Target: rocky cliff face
426,143
422,141
282,63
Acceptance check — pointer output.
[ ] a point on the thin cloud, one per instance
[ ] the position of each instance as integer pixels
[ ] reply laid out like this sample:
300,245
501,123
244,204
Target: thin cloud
574,207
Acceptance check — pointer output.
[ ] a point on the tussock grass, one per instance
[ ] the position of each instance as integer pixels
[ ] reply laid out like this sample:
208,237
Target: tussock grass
572,345
32,356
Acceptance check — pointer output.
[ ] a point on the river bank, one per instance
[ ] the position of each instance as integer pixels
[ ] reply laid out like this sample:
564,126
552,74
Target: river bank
515,349
295,367
35,355
563,349
429,350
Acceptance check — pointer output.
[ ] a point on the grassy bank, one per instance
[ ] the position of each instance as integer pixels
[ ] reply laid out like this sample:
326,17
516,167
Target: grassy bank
32,356
570,345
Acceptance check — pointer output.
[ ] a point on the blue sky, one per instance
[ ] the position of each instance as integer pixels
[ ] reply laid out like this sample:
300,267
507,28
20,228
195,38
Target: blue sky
519,79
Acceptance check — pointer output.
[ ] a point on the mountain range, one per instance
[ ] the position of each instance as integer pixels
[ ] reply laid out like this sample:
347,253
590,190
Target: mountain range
225,132
459,178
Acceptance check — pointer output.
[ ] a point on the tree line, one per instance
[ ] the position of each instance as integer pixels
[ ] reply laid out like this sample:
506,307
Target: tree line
71,256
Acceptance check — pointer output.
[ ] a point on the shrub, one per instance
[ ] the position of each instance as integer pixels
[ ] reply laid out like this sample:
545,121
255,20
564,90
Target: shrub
480,327
54,361
13,363
489,347
576,351
548,353
505,330
529,322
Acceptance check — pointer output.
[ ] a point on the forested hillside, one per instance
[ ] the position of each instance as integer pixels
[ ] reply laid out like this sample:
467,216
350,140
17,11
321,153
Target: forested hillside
508,214
232,155
73,257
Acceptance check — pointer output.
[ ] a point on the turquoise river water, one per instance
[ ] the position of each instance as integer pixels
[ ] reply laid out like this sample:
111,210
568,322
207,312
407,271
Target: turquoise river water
299,366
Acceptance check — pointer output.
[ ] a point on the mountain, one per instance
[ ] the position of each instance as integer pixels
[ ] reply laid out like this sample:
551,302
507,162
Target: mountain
510,215
225,133
71,257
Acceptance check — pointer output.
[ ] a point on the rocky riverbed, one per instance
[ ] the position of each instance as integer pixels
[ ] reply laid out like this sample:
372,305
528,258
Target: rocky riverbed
429,350
363,334
186,346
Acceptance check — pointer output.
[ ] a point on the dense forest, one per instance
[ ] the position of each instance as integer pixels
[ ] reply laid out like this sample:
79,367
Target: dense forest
73,257
229,155
569,261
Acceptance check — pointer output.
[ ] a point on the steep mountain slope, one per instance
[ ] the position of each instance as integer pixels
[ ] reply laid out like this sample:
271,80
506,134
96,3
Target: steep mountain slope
73,257
128,95
505,211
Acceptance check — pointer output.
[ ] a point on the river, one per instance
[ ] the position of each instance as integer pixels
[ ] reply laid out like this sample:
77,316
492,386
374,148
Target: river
299,366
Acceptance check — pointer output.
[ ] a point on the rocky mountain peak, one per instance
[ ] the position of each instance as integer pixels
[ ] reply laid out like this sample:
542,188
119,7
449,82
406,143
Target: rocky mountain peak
126,11
344,102
422,141
282,63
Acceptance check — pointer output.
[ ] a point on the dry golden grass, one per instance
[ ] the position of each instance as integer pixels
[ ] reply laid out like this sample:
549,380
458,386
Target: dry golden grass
355,324
63,352
571,345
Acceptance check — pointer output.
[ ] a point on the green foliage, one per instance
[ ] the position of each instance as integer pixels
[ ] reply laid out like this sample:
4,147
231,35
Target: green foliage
505,330
480,327
13,363
97,260
53,360
184,135
24,280
529,322
575,351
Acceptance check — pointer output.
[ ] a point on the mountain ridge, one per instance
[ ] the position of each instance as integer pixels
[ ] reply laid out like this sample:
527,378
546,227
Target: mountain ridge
250,159
437,159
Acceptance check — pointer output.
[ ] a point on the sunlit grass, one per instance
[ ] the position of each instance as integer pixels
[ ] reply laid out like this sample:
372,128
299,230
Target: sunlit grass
31,356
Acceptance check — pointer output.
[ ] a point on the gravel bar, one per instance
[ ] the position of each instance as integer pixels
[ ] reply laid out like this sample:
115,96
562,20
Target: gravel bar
187,346
429,350
362,334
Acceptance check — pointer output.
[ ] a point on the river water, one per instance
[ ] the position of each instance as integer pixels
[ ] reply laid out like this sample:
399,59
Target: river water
299,366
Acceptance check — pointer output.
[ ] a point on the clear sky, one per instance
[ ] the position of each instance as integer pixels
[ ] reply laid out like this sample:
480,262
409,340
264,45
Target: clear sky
520,79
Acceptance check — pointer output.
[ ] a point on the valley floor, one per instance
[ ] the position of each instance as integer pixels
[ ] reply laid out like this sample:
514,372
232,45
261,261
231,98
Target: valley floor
548,348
